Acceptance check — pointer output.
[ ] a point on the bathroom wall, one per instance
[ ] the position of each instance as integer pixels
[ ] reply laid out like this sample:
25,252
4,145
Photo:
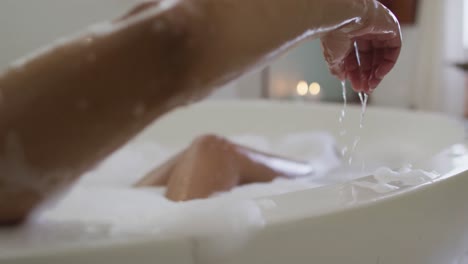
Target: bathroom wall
304,63
396,89
26,25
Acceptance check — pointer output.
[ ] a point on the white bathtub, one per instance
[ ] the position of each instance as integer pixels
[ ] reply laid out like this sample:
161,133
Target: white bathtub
340,223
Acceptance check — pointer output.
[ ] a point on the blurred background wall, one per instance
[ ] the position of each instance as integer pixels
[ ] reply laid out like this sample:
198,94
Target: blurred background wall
424,77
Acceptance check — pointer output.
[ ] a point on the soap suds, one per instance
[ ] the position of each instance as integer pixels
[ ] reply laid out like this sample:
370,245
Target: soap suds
21,62
104,206
387,180
18,173
102,29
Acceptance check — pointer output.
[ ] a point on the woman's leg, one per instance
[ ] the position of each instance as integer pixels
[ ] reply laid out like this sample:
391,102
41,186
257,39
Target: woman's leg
213,164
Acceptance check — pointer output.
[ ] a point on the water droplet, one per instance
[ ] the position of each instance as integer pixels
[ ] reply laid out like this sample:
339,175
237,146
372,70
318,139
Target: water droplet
356,142
61,41
88,41
212,29
91,57
344,151
364,98
358,57
345,102
159,25
342,117
102,29
343,87
82,105
139,110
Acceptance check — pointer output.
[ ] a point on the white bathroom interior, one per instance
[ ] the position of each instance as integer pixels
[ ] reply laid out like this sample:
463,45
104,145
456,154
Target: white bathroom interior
414,127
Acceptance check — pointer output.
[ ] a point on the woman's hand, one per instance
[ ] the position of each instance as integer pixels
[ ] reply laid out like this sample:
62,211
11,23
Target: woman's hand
364,52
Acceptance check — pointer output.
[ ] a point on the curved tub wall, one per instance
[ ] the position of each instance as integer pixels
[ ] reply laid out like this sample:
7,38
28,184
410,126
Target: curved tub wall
393,130
343,223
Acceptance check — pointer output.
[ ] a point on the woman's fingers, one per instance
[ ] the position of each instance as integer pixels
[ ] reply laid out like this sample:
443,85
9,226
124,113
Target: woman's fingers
369,61
389,58
353,70
335,49
385,56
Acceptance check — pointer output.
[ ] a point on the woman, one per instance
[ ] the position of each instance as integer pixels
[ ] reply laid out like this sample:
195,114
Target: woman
67,108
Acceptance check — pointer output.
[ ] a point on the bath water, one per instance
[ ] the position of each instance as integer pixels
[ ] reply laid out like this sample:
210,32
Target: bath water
364,100
363,97
342,117
345,102
356,50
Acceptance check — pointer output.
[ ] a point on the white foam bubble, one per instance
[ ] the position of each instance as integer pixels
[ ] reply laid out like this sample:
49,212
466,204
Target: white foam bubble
104,205
102,29
387,180
21,62
406,176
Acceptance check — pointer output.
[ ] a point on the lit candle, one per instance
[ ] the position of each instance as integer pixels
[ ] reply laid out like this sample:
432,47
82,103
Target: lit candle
302,88
314,91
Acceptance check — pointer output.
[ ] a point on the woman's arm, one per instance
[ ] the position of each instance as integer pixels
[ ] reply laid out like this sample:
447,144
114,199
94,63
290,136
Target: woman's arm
67,108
